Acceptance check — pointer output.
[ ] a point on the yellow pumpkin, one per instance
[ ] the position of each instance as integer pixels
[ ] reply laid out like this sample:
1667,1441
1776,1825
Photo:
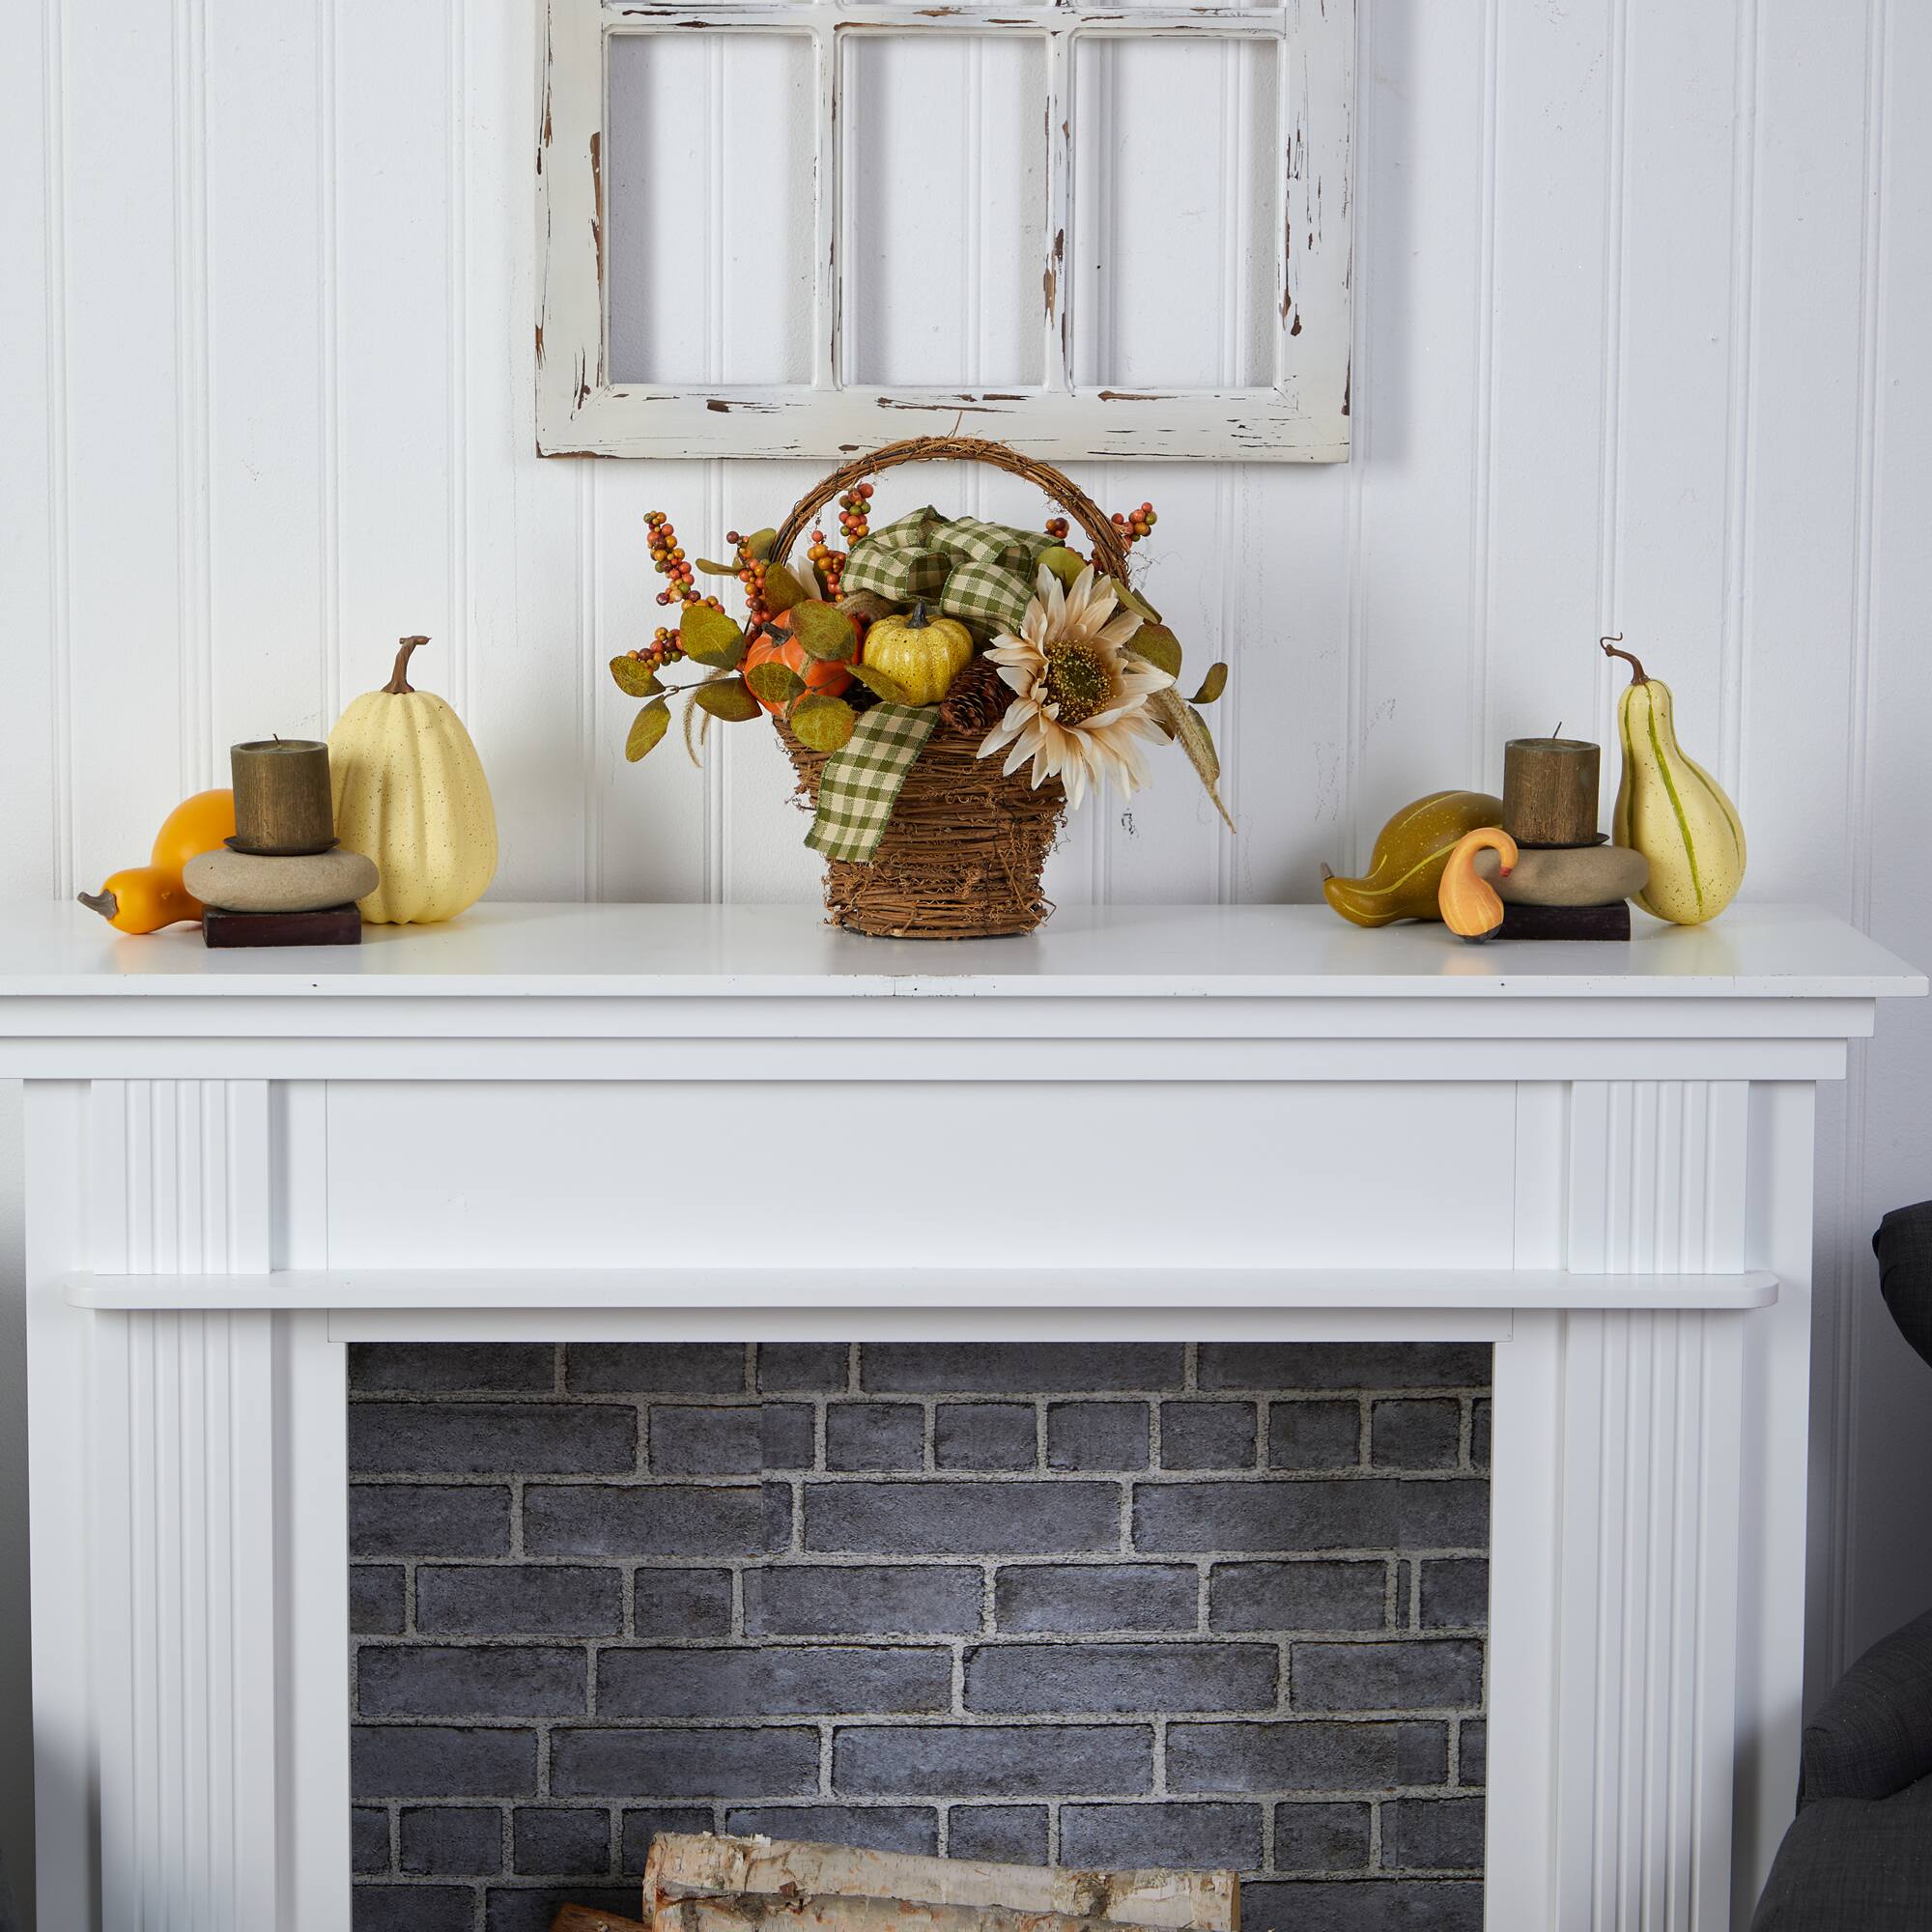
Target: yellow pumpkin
923,655
411,794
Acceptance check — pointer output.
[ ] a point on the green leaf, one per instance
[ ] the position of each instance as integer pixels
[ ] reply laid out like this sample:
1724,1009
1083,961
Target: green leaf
1183,721
710,638
1131,600
1212,685
759,545
1065,564
729,700
1159,646
635,678
825,631
647,727
711,568
824,723
775,682
880,685
781,588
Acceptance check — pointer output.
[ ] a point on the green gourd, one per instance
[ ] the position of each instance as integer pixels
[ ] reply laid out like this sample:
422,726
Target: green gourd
1410,851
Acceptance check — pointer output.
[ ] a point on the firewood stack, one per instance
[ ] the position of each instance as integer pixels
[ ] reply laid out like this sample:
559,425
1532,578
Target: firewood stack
701,1882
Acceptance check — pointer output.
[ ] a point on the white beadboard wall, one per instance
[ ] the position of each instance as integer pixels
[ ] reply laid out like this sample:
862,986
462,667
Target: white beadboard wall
1638,347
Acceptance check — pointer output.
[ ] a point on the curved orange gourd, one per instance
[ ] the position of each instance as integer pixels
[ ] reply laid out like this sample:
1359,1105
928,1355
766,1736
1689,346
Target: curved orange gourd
1469,902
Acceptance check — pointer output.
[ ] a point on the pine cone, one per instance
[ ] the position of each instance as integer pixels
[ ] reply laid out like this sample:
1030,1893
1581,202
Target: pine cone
977,700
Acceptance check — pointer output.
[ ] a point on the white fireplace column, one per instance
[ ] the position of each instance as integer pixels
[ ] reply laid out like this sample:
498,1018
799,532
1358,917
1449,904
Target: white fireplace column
1597,1157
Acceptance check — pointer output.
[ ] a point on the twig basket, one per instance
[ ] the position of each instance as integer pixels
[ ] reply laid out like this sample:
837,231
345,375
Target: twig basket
963,855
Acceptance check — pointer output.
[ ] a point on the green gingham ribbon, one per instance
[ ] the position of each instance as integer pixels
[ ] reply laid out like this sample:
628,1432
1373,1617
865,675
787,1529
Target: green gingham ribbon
977,572
862,780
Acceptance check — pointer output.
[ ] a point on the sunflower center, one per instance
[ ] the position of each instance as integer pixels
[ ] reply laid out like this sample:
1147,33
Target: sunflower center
1078,680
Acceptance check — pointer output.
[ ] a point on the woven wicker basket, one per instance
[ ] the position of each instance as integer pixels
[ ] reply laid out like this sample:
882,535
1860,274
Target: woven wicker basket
963,855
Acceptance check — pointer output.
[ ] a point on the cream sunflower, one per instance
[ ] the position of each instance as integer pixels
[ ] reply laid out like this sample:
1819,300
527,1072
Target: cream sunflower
1080,705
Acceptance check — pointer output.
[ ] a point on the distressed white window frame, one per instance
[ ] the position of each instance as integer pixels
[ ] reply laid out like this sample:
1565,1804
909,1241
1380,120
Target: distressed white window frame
1301,417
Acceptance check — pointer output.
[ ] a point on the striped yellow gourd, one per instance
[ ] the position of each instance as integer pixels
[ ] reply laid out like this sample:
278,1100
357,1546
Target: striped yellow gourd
1672,810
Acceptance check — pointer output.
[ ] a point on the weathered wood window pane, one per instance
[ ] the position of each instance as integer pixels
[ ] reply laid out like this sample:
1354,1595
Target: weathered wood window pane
884,215
1176,243
708,186
945,199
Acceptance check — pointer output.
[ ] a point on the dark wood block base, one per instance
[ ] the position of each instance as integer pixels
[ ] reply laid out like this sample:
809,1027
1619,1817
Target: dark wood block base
333,925
1535,922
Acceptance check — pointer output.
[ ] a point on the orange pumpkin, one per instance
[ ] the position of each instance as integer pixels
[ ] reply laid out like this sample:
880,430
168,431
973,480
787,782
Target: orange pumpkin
775,644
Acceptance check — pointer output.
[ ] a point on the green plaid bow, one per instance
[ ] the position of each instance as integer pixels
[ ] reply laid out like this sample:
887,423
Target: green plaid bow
979,572
862,780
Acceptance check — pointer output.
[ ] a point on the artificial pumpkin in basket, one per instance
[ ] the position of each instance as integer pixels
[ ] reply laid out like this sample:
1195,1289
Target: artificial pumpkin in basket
778,643
921,655
409,793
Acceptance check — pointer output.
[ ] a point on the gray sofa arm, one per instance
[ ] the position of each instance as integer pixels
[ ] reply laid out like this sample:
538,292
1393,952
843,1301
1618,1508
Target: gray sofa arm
1873,1736
1903,1245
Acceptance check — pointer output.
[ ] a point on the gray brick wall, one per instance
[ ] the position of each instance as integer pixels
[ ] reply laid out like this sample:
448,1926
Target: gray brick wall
1123,1603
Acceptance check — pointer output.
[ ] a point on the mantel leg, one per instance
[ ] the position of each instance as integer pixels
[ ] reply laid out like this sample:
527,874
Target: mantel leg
1777,1451
153,1471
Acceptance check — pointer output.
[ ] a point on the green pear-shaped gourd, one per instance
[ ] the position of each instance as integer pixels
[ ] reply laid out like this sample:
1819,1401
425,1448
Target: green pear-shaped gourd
1672,809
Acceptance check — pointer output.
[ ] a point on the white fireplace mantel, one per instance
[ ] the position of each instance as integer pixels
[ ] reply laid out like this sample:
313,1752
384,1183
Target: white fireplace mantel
1246,1123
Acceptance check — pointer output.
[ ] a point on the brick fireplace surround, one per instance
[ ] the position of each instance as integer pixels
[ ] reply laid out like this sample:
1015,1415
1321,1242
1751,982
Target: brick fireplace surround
549,1134
1090,1606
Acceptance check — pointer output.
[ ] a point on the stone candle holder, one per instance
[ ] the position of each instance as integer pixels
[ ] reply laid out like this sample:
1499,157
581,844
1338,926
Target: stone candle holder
1567,884
280,880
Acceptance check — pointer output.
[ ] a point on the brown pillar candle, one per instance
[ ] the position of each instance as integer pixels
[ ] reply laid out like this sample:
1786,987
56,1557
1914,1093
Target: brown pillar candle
281,797
1549,791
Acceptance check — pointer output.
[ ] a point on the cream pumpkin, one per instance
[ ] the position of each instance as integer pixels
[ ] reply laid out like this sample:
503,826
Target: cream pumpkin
411,794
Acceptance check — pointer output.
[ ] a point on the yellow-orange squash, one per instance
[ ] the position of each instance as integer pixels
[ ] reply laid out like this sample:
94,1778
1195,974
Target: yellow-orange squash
1469,901
411,794
144,898
196,825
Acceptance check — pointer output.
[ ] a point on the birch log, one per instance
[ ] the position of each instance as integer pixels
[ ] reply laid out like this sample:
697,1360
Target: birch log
686,1864
582,1919
839,1912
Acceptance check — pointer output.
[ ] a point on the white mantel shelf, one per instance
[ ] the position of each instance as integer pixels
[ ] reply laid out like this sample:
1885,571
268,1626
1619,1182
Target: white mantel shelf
616,993
1248,1123
686,951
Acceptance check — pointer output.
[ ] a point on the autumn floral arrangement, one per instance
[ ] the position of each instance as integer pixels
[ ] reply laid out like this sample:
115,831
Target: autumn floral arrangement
946,688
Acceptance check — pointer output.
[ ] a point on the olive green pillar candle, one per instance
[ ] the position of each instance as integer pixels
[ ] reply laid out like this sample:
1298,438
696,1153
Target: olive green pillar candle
281,797
1549,791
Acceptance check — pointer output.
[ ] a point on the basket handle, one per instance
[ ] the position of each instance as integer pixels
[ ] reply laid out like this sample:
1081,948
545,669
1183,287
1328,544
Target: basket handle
1108,551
